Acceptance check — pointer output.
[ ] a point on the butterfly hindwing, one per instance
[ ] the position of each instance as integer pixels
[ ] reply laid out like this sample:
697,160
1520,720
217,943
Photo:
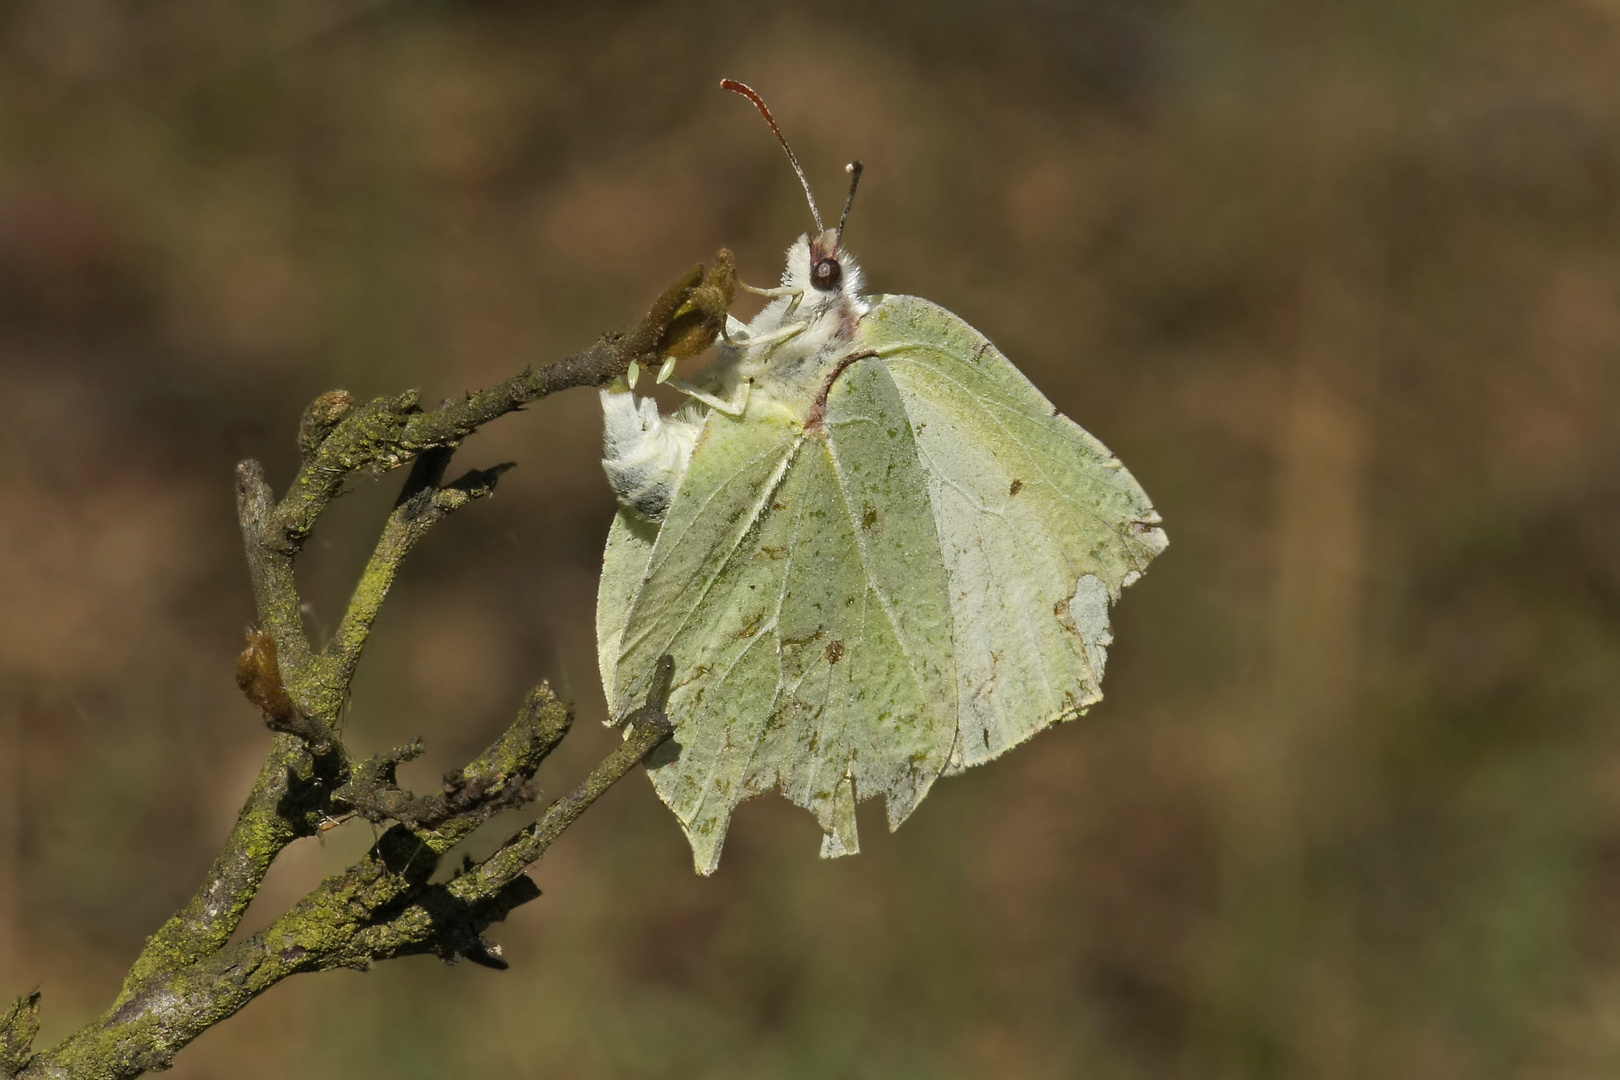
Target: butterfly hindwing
798,584
624,565
903,702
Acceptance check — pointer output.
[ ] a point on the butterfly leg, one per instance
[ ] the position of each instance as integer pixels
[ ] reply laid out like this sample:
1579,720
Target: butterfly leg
780,290
774,337
732,407
776,294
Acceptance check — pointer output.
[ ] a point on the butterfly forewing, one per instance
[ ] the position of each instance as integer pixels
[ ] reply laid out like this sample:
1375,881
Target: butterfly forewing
1039,526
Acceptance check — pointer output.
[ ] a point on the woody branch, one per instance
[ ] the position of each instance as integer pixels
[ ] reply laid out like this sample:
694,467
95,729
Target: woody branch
189,977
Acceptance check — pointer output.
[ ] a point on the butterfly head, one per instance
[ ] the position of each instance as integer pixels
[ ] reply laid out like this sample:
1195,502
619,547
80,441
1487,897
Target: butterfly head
823,283
826,263
821,270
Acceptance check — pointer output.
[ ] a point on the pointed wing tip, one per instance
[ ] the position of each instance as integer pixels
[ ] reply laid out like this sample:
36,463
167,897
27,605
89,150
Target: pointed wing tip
835,847
706,844
705,863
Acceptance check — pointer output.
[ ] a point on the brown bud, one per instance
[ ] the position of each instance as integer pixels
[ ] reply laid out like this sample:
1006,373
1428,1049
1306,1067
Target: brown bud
259,676
321,417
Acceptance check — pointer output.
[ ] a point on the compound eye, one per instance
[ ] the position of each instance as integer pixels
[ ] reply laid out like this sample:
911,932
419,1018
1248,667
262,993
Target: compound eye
826,274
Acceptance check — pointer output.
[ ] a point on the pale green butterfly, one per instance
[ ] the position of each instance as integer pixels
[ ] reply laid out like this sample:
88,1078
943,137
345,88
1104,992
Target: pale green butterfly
877,554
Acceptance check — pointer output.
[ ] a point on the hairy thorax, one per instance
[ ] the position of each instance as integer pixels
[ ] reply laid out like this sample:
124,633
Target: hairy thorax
787,372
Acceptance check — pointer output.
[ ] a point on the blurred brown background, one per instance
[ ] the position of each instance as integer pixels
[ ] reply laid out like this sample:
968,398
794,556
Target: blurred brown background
1339,282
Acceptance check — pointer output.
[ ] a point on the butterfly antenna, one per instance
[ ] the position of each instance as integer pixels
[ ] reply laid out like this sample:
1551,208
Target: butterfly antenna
748,92
854,169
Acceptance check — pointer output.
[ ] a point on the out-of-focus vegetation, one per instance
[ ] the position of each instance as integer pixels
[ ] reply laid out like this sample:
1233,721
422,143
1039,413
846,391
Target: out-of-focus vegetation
1339,282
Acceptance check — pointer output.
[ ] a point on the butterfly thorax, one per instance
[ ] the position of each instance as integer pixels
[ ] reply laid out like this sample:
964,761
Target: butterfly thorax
787,351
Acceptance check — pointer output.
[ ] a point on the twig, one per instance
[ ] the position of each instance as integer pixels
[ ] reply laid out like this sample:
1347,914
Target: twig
421,505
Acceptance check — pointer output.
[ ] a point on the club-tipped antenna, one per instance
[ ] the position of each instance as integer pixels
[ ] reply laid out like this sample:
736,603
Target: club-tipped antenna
854,169
759,103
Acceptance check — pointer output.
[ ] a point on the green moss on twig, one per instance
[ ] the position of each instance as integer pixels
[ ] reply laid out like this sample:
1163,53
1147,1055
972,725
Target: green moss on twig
17,1030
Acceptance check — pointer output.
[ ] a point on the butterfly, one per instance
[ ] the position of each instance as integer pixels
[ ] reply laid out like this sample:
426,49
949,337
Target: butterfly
875,552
